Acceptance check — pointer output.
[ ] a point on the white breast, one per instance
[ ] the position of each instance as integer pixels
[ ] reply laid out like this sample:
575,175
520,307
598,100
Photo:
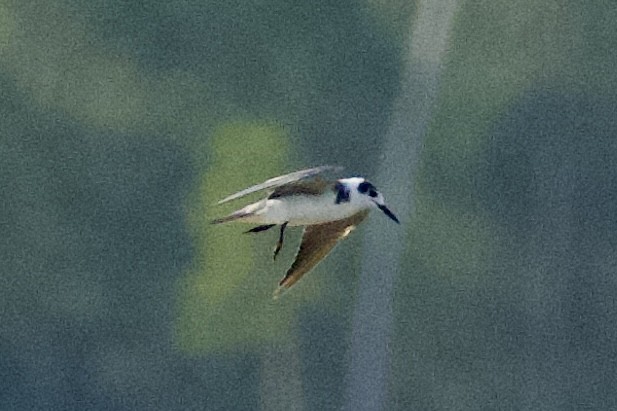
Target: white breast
305,210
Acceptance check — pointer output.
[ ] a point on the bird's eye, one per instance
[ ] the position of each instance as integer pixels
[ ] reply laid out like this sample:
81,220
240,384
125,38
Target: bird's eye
372,193
363,187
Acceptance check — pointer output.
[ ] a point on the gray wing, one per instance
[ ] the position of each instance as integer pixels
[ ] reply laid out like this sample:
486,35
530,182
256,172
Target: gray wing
280,181
317,242
312,187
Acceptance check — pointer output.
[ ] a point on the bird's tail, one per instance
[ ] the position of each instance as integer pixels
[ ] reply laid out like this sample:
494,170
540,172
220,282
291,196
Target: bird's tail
231,217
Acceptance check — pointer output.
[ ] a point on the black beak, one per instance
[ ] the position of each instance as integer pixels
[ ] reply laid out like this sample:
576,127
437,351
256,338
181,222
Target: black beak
389,213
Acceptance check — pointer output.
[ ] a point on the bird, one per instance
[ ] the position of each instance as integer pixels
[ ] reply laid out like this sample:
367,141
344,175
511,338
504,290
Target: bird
329,209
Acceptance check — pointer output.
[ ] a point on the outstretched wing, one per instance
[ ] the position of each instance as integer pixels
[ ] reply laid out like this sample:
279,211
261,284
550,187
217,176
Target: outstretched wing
280,181
313,187
317,242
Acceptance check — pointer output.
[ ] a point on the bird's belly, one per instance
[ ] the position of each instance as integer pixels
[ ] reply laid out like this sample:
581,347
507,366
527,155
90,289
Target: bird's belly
301,210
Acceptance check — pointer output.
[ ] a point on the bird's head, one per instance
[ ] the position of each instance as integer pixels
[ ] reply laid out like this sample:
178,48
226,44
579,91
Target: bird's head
362,192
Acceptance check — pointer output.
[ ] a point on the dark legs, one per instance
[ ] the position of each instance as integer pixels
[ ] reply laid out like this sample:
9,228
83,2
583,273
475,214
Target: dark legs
279,244
260,228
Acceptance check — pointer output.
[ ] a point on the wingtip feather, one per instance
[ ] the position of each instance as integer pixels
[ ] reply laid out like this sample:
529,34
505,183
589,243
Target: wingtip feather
280,290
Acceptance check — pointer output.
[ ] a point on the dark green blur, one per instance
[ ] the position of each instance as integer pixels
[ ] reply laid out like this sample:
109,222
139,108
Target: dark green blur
122,123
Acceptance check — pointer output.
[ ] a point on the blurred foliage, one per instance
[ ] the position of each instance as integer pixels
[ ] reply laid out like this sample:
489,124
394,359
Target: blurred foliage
488,284
499,51
465,235
124,122
225,297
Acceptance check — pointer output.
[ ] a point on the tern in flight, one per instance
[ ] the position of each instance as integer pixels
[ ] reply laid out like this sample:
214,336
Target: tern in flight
328,209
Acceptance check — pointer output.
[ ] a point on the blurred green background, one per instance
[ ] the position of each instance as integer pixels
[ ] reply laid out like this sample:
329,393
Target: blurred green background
122,123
